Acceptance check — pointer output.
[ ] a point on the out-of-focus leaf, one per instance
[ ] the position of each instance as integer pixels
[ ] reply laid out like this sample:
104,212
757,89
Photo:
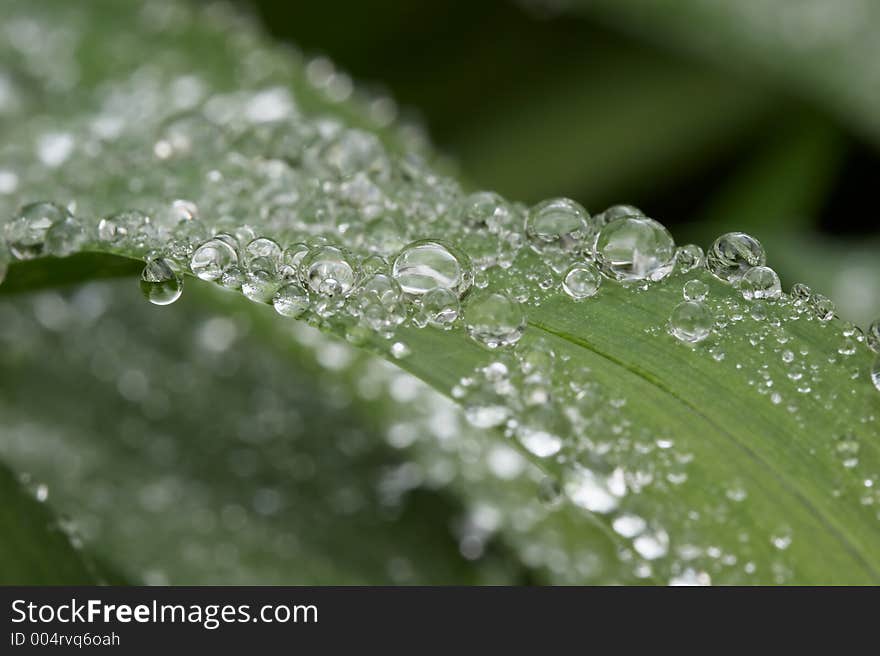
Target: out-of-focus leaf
826,51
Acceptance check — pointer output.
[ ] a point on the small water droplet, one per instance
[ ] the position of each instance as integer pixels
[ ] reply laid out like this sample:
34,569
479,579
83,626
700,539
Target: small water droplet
160,284
872,337
695,290
439,308
328,271
823,307
558,225
262,253
688,258
801,292
259,286
691,322
494,319
400,350
734,253
581,281
634,248
428,264
760,282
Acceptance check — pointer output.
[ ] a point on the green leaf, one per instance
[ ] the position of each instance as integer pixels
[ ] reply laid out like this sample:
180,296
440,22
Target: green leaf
749,457
35,549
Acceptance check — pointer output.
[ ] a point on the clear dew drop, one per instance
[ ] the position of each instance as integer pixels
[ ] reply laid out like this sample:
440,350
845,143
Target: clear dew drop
581,281
262,253
872,336
26,233
160,284
875,373
328,271
539,443
822,306
628,525
688,258
291,260
695,290
428,264
122,226
801,293
212,258
634,248
558,224
760,283
494,320
691,322
65,237
291,300
259,286
439,308
734,253
379,304
616,212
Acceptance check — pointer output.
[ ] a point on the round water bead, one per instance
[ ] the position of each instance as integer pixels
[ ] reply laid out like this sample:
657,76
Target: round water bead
616,212
379,304
734,253
439,308
26,233
800,292
688,258
212,258
494,320
128,224
486,210
291,300
760,283
691,322
328,271
259,286
875,373
695,290
581,281
160,283
233,277
823,307
634,248
65,237
291,260
872,337
262,253
560,224
428,264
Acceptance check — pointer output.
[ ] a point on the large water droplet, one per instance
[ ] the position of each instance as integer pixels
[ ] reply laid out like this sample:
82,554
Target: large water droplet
427,264
65,237
635,248
734,253
160,284
691,322
760,283
581,281
259,286
291,300
695,290
26,233
212,258
494,320
558,224
328,271
823,307
262,253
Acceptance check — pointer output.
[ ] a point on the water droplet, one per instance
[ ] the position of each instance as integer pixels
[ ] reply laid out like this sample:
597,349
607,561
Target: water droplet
581,281
800,292
439,308
262,253
379,304
688,258
400,350
485,210
628,525
160,284
734,253
782,538
652,544
558,224
691,322
65,237
616,212
823,307
872,337
695,290
291,300
875,373
128,224
760,282
26,233
427,264
494,320
635,248
328,271
291,261
212,258
259,286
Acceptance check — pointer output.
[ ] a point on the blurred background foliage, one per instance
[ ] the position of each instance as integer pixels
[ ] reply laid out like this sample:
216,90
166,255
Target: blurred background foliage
201,447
